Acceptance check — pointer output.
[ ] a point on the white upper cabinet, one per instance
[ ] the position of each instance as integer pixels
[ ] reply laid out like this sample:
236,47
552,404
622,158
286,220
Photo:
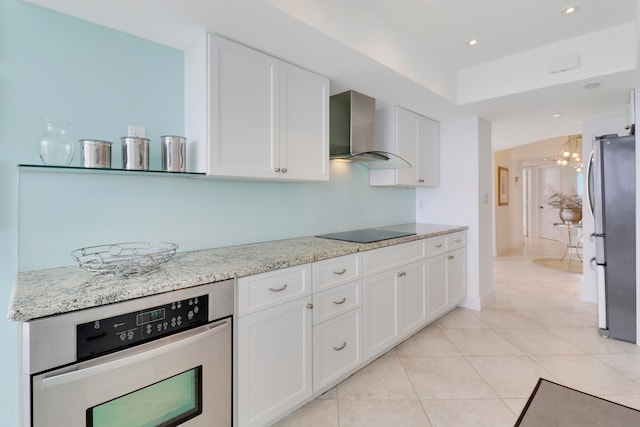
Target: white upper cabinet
249,115
304,124
416,139
243,99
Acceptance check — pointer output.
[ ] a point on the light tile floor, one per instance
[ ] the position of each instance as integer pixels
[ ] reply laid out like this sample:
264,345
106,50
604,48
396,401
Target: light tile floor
478,368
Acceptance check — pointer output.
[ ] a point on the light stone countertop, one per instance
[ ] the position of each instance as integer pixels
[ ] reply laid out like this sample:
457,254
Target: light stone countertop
54,291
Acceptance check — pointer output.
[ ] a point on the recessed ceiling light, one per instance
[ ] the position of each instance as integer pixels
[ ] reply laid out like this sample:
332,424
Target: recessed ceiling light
555,115
472,42
592,86
569,10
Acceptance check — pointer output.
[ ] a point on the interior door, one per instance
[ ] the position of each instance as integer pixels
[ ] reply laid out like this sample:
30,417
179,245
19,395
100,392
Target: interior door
548,181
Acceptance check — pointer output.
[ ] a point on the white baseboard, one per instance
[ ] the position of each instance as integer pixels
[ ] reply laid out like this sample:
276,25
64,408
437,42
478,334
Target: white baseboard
479,304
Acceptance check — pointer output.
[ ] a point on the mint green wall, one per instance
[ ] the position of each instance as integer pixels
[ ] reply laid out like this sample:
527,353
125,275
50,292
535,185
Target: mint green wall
60,212
102,81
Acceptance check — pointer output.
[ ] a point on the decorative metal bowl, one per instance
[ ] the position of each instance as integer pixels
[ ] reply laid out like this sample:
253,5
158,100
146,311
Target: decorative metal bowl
124,259
571,215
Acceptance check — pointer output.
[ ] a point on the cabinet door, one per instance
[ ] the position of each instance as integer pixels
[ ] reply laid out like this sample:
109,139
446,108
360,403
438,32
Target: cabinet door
337,348
411,297
244,109
273,361
428,153
304,125
437,286
406,145
380,313
416,139
456,278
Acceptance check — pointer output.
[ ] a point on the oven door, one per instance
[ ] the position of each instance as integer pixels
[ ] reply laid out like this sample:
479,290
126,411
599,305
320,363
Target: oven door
184,379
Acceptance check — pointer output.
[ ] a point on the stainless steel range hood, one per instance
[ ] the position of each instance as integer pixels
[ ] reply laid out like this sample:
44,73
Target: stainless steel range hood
352,138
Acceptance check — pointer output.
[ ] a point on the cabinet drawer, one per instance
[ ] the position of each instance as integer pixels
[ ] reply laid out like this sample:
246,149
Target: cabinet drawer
435,245
456,240
382,259
336,301
266,290
333,272
337,348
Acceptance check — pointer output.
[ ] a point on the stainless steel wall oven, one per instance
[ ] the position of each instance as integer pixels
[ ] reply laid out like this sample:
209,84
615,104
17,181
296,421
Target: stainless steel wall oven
162,360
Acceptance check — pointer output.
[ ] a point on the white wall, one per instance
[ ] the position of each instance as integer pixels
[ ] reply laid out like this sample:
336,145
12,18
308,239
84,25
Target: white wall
589,130
465,179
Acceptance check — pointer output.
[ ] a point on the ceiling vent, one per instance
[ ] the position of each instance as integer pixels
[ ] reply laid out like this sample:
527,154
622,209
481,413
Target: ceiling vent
564,63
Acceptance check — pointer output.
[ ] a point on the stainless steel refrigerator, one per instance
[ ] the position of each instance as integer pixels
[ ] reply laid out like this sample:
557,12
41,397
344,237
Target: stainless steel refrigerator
612,198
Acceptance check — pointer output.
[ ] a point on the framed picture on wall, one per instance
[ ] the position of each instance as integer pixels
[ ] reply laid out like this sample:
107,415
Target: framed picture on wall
503,186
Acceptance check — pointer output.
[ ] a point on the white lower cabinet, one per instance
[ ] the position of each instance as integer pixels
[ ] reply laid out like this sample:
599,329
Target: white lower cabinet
380,313
274,361
337,348
296,339
273,344
437,286
456,277
337,319
394,306
412,298
446,282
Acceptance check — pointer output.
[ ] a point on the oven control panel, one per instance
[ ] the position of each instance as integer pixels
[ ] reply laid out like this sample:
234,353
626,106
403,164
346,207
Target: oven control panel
102,336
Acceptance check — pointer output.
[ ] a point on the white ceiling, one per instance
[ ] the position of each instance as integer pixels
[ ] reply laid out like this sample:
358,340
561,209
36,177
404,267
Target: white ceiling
504,27
413,52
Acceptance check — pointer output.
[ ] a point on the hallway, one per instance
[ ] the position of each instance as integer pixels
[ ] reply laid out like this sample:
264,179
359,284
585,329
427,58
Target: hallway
478,368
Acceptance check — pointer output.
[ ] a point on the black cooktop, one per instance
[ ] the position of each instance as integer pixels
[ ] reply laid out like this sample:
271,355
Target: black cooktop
367,235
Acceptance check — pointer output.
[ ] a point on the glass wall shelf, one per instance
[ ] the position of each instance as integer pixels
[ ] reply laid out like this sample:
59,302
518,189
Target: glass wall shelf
80,169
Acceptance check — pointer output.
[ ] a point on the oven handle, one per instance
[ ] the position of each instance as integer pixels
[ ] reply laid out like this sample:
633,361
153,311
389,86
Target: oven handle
155,348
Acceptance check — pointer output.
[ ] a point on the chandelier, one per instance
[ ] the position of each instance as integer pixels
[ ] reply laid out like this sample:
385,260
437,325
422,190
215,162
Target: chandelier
571,153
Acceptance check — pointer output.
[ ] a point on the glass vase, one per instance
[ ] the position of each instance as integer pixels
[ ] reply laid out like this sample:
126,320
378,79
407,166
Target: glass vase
56,147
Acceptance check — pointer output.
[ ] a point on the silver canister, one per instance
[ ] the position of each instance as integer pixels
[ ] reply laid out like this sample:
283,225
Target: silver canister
95,153
135,153
174,149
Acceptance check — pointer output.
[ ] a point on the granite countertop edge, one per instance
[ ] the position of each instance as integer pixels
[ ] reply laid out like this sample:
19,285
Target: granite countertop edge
43,293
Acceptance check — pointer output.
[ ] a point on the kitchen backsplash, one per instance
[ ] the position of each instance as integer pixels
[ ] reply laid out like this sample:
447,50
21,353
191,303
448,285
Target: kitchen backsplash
60,212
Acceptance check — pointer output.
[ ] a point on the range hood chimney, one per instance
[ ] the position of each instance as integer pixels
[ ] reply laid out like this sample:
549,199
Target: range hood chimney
352,138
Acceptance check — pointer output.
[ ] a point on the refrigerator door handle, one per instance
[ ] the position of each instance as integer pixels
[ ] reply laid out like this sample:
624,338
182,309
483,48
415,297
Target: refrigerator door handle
595,184
590,184
602,298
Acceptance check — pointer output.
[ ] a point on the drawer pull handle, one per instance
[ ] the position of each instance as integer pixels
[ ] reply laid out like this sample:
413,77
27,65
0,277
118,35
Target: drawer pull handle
284,170
402,274
344,344
439,245
276,170
280,289
450,257
344,299
458,240
309,306
344,270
